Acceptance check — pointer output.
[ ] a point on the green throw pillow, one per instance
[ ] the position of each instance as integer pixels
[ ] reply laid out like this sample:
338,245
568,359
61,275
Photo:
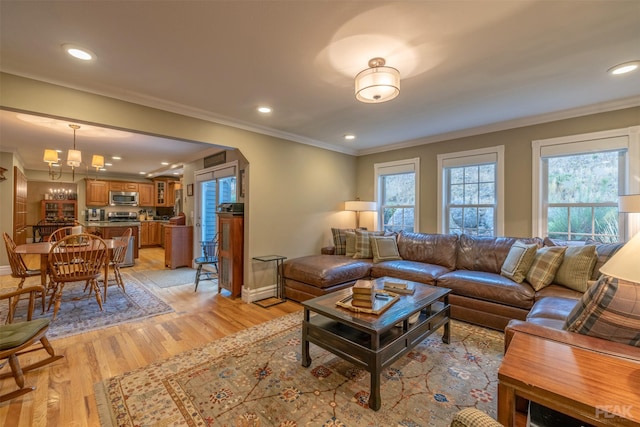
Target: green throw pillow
576,267
339,239
350,249
363,243
384,248
544,266
608,310
518,261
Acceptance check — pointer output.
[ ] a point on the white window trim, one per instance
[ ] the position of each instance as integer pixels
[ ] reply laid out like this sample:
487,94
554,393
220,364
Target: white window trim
474,156
632,180
398,166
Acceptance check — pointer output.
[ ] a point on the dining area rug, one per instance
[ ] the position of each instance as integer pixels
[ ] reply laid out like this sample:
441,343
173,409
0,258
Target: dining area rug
255,378
167,278
79,312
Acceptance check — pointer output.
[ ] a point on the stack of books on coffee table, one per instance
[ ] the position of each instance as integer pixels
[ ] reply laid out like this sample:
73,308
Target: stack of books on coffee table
363,294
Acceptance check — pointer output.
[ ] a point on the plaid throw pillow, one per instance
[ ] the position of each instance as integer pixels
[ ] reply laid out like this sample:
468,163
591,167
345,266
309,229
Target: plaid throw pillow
340,240
604,251
576,267
544,266
363,243
610,310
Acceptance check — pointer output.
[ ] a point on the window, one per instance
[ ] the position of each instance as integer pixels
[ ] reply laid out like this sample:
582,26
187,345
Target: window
470,192
396,188
577,181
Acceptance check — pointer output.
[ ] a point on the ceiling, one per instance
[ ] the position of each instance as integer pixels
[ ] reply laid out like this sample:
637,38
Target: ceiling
466,67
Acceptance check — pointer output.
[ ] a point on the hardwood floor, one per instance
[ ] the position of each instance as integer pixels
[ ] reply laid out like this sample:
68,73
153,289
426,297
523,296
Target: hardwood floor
64,394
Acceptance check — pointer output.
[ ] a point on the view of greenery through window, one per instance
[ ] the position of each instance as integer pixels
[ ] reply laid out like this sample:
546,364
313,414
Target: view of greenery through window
471,199
398,201
582,193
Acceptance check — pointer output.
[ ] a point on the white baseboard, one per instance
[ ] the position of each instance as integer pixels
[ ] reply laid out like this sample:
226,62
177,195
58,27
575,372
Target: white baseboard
251,295
5,269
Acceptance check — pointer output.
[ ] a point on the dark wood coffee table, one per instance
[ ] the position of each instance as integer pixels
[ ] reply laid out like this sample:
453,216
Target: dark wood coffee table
374,341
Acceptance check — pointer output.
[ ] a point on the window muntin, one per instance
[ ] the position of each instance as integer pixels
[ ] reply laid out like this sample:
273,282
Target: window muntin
471,199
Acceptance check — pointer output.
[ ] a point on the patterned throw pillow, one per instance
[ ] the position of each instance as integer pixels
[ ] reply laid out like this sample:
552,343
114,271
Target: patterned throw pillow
340,239
363,243
350,249
610,310
518,261
544,266
576,267
604,251
384,248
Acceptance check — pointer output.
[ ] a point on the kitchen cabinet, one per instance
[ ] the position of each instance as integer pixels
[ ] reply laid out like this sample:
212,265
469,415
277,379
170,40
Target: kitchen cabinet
97,193
150,233
165,191
54,210
123,186
231,253
178,241
145,194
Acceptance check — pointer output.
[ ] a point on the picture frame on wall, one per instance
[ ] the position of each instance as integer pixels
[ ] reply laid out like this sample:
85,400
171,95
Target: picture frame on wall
189,189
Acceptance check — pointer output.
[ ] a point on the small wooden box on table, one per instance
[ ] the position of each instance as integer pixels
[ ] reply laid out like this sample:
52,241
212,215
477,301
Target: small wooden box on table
373,341
592,386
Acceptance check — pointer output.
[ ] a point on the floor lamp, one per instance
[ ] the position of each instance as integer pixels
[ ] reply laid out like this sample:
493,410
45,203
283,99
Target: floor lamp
359,206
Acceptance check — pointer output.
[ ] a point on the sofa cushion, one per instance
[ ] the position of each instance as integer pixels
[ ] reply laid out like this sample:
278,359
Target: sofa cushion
363,243
576,267
384,248
409,270
545,265
558,291
604,251
350,247
437,249
557,308
610,309
324,271
485,253
518,261
489,287
340,239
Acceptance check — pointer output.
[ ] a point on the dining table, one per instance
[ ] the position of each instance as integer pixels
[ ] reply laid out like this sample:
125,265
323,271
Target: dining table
43,249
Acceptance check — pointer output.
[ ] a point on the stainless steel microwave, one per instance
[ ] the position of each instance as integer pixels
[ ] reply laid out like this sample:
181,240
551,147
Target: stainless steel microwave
123,198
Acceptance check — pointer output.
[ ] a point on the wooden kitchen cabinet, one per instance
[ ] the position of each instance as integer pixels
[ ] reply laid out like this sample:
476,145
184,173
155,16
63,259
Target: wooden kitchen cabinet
178,246
97,193
123,186
117,231
150,233
145,194
231,253
164,191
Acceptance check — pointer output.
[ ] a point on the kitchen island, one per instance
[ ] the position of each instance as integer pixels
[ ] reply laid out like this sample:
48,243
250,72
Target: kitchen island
111,229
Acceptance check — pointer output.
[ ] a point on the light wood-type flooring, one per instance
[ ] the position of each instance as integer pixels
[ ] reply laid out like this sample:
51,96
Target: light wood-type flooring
64,394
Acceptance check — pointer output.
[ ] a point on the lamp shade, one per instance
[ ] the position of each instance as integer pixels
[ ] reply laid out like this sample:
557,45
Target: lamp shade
360,206
50,156
74,158
379,84
97,161
624,263
629,203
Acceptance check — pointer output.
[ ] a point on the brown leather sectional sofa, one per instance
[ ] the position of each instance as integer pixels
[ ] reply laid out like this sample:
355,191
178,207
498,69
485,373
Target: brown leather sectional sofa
468,265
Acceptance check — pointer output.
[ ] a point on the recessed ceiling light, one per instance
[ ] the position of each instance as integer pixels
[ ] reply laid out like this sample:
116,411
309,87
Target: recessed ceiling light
78,52
116,157
264,109
108,164
164,163
142,173
349,137
624,68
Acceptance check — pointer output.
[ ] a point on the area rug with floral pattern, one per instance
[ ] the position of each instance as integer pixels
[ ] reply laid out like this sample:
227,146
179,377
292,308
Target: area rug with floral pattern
255,378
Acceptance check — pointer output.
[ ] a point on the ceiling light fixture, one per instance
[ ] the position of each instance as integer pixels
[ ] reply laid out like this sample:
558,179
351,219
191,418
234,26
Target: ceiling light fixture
377,83
74,158
264,109
51,157
349,137
78,52
624,68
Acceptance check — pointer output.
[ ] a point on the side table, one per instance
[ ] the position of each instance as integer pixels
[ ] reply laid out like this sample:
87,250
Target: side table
279,298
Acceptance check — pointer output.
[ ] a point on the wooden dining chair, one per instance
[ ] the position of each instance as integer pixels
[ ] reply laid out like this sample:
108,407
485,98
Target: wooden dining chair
19,269
62,232
19,338
117,257
76,258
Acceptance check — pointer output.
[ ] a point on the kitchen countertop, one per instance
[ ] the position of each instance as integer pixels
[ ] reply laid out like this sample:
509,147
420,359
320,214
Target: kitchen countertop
112,224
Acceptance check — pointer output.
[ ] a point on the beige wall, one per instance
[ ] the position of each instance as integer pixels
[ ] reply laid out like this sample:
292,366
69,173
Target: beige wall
295,191
517,143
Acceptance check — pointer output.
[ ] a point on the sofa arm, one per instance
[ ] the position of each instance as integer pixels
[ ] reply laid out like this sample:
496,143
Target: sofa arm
328,250
574,339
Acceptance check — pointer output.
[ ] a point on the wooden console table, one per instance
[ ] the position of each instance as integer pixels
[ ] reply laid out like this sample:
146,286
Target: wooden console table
591,386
